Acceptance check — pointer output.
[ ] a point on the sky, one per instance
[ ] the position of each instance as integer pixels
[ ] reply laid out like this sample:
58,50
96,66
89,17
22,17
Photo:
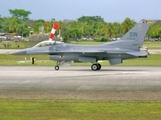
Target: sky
109,10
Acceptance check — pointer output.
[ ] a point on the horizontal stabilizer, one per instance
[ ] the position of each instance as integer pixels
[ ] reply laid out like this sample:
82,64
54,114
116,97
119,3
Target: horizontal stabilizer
138,53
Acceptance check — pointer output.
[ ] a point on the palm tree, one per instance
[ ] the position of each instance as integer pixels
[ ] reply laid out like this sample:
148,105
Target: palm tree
22,28
116,29
100,29
127,25
13,25
152,33
110,30
159,29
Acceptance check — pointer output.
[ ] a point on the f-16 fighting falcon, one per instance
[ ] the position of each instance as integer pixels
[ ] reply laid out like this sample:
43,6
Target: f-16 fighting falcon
128,47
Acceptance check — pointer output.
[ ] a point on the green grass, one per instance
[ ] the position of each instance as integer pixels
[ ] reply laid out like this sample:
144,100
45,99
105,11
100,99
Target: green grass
43,60
153,45
14,109
14,45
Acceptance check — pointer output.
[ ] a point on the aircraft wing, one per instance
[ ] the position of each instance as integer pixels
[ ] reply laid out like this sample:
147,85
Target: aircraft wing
134,53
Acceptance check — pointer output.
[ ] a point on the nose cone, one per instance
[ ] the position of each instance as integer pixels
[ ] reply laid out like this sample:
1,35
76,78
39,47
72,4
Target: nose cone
21,52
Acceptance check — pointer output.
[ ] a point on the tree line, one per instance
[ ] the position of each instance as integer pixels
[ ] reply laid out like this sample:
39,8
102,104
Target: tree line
88,27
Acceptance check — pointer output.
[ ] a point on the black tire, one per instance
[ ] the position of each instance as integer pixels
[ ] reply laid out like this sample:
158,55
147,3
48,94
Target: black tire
56,67
99,66
94,67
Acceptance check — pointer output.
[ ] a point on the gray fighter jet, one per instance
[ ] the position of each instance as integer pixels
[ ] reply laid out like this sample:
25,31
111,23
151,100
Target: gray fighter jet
128,47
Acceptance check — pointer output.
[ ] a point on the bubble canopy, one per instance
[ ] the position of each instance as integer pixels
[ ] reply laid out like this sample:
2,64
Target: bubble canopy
47,43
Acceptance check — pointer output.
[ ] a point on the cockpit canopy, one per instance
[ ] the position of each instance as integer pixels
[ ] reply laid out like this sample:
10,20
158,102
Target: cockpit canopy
47,43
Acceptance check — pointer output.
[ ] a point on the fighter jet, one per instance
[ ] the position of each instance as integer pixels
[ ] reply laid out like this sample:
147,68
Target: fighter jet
128,47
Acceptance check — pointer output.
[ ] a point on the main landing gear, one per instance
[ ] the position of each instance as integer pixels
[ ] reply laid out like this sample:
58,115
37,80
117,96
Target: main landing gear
96,66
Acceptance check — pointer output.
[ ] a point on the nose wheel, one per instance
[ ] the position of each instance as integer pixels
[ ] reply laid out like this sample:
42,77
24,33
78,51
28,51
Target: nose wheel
96,66
57,67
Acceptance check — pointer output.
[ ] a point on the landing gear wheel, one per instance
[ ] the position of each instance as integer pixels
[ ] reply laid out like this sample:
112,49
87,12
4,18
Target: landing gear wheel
56,67
99,66
94,67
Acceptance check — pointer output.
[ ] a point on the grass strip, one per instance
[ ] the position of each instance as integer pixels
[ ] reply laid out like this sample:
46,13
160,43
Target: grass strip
78,109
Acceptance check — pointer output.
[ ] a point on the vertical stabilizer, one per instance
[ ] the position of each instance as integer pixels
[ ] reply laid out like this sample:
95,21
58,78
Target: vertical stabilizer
137,33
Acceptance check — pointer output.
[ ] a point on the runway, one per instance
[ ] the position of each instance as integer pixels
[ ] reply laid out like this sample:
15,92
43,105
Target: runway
80,78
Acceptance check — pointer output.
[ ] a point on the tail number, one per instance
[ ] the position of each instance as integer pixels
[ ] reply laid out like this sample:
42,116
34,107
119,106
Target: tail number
133,34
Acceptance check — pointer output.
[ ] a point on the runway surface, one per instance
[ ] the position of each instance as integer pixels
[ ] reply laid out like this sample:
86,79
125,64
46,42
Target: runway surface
80,78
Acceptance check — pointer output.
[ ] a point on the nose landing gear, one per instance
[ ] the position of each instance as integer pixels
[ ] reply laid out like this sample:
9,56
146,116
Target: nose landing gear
57,65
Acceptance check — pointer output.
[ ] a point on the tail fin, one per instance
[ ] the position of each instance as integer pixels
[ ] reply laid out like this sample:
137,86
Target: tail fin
137,33
52,34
